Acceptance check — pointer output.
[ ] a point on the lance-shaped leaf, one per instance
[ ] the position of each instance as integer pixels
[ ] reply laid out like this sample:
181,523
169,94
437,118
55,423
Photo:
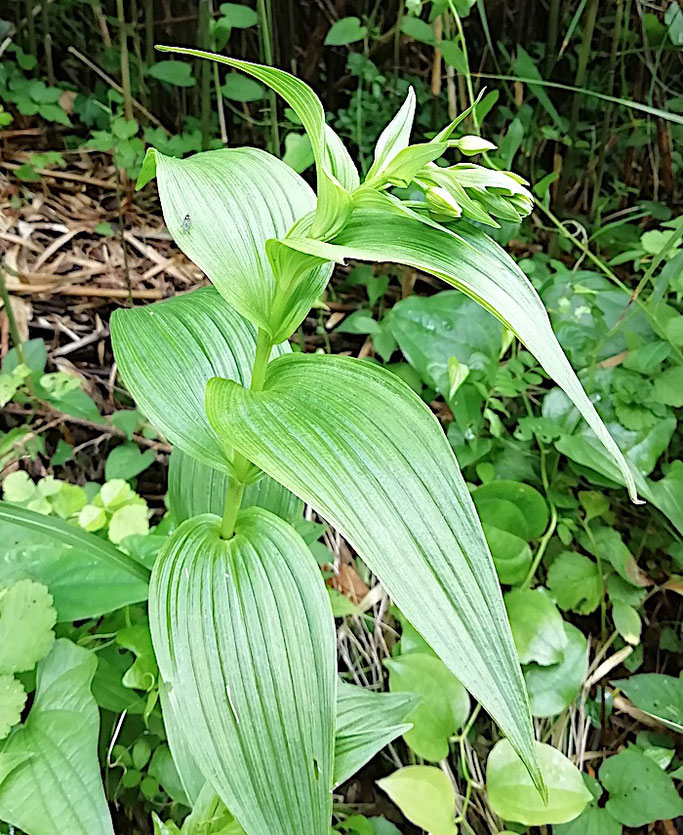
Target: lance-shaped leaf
355,442
471,261
366,722
49,771
167,351
336,174
195,488
244,635
395,136
221,207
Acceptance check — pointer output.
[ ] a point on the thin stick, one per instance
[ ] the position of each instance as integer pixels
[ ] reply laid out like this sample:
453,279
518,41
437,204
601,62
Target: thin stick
267,49
103,75
203,38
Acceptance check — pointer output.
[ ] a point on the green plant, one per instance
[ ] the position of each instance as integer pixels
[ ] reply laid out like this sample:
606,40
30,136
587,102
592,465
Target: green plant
331,429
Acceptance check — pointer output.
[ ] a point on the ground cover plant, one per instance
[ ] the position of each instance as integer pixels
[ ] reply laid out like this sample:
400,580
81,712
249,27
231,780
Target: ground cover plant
280,674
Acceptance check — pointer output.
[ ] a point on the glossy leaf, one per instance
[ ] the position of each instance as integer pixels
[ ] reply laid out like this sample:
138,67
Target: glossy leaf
471,261
167,351
552,689
537,626
366,722
658,695
640,792
391,485
256,691
49,770
514,798
195,488
426,797
336,173
443,702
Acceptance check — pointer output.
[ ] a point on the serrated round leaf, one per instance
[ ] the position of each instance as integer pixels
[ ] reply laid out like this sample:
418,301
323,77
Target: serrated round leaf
166,353
391,485
26,620
513,796
12,700
552,689
443,707
244,636
575,583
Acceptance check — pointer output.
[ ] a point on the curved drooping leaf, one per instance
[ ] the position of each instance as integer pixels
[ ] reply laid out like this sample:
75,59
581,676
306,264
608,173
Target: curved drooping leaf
471,261
366,722
49,770
221,207
167,351
64,532
195,488
390,483
244,635
336,174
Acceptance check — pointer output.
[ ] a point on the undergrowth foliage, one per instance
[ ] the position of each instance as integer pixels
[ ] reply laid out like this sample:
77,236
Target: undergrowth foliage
227,700
258,693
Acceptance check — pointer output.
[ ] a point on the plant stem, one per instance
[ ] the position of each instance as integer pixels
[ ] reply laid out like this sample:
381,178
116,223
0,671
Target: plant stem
204,40
236,484
468,74
543,544
13,329
125,67
264,16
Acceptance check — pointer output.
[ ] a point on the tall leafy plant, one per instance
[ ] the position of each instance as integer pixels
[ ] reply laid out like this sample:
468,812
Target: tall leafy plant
240,619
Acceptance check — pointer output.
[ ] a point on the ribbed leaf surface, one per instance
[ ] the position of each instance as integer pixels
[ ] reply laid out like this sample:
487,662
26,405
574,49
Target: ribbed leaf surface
221,207
195,488
167,351
475,264
359,445
336,173
366,722
244,634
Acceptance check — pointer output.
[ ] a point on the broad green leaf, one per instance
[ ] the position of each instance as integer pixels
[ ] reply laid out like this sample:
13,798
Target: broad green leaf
127,460
626,622
192,779
221,207
575,582
239,16
167,351
552,689
244,636
513,797
426,797
240,88
430,330
392,487
594,820
82,584
537,626
195,488
344,31
471,261
418,29
177,73
366,722
511,554
639,791
26,620
55,784
336,173
443,707
658,695
527,499
68,534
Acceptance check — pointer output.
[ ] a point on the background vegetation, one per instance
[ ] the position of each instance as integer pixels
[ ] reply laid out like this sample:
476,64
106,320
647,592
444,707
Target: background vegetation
582,98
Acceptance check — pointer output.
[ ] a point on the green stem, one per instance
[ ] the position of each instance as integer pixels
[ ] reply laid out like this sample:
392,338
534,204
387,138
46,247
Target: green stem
543,544
204,40
263,11
241,464
125,65
468,74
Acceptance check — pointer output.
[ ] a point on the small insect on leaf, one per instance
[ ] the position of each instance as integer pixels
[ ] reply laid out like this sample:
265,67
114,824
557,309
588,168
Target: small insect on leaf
186,223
